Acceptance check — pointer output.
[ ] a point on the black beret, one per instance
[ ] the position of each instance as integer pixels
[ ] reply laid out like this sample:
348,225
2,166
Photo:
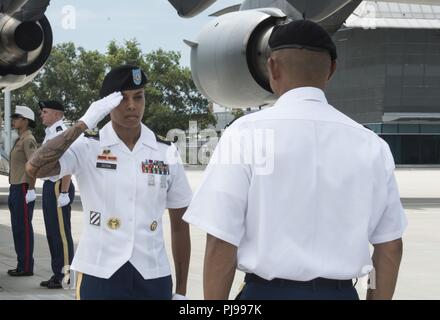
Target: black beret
302,34
126,77
51,104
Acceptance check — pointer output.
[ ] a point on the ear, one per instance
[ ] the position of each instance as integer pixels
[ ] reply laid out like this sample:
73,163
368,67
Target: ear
272,67
332,69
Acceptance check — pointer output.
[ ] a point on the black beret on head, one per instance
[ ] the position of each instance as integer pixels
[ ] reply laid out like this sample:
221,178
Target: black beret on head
51,104
302,34
126,77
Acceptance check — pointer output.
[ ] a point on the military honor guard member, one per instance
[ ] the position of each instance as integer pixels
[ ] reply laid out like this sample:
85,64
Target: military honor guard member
22,194
127,177
300,223
57,199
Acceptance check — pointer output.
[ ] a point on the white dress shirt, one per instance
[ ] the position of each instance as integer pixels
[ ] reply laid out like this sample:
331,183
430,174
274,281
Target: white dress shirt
301,190
124,201
54,130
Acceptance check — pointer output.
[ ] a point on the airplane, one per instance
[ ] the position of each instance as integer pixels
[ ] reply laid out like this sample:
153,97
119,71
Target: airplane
227,59
26,40
25,45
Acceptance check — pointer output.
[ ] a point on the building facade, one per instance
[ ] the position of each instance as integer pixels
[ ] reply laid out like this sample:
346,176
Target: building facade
388,79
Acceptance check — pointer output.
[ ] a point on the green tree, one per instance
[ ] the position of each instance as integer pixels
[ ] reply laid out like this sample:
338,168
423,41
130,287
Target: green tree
71,75
171,86
74,76
172,99
129,53
237,113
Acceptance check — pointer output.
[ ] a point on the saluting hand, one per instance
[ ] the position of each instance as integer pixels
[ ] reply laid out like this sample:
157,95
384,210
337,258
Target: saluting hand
98,110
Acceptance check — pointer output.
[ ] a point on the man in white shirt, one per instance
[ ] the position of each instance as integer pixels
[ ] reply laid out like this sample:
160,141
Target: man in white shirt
58,196
127,177
295,194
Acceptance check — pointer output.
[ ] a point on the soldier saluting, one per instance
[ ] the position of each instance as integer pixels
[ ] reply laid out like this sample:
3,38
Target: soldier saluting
121,254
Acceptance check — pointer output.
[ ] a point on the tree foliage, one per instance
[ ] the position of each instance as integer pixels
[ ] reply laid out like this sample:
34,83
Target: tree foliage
74,76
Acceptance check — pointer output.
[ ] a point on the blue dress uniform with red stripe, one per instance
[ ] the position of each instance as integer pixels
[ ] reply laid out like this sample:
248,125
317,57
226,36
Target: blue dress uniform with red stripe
21,222
21,211
57,221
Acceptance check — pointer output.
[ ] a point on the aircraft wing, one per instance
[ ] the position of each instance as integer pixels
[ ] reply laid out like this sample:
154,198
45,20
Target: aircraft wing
315,10
190,8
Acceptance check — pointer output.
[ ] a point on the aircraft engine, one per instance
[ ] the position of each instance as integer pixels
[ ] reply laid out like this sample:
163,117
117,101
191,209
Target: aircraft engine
228,60
25,47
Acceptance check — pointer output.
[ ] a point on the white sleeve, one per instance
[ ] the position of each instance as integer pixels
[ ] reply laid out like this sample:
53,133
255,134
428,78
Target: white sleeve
71,160
220,204
392,223
179,192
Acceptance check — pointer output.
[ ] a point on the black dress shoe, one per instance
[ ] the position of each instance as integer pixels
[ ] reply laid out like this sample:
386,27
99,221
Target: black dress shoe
16,273
54,284
12,271
46,283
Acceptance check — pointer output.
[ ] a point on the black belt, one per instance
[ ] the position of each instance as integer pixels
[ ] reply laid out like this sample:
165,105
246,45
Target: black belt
315,283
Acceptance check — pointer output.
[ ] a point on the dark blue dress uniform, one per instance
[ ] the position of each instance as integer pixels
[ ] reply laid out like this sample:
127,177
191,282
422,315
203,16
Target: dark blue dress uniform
257,288
125,284
21,212
57,222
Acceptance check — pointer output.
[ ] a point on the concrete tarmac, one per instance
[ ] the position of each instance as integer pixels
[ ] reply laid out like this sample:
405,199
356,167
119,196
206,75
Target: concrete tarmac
418,279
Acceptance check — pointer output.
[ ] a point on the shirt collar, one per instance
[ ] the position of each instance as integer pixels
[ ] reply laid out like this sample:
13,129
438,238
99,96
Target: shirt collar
302,94
108,137
54,127
24,134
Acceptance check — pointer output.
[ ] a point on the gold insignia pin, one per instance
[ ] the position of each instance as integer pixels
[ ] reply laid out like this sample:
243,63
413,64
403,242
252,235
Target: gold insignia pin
114,223
153,226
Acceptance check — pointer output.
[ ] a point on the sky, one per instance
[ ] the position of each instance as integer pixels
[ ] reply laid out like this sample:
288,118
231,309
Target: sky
154,23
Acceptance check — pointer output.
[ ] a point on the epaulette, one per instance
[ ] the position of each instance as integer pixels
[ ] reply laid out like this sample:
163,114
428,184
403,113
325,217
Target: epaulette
162,140
91,134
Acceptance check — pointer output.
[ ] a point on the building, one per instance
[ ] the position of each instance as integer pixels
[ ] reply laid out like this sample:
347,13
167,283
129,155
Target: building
388,77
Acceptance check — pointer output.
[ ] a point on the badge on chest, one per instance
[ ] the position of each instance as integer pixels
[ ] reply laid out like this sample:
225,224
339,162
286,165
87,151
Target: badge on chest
154,168
107,161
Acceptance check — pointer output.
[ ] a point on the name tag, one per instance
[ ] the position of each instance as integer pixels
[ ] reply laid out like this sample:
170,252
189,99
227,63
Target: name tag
110,166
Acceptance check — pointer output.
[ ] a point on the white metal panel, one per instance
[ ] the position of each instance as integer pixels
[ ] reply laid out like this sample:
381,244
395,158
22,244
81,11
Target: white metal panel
385,14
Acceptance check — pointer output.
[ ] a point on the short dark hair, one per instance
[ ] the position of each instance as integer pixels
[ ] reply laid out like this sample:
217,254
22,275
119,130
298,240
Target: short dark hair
31,123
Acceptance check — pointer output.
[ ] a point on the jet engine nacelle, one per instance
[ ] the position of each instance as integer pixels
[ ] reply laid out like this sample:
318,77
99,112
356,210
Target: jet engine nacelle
25,47
228,60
